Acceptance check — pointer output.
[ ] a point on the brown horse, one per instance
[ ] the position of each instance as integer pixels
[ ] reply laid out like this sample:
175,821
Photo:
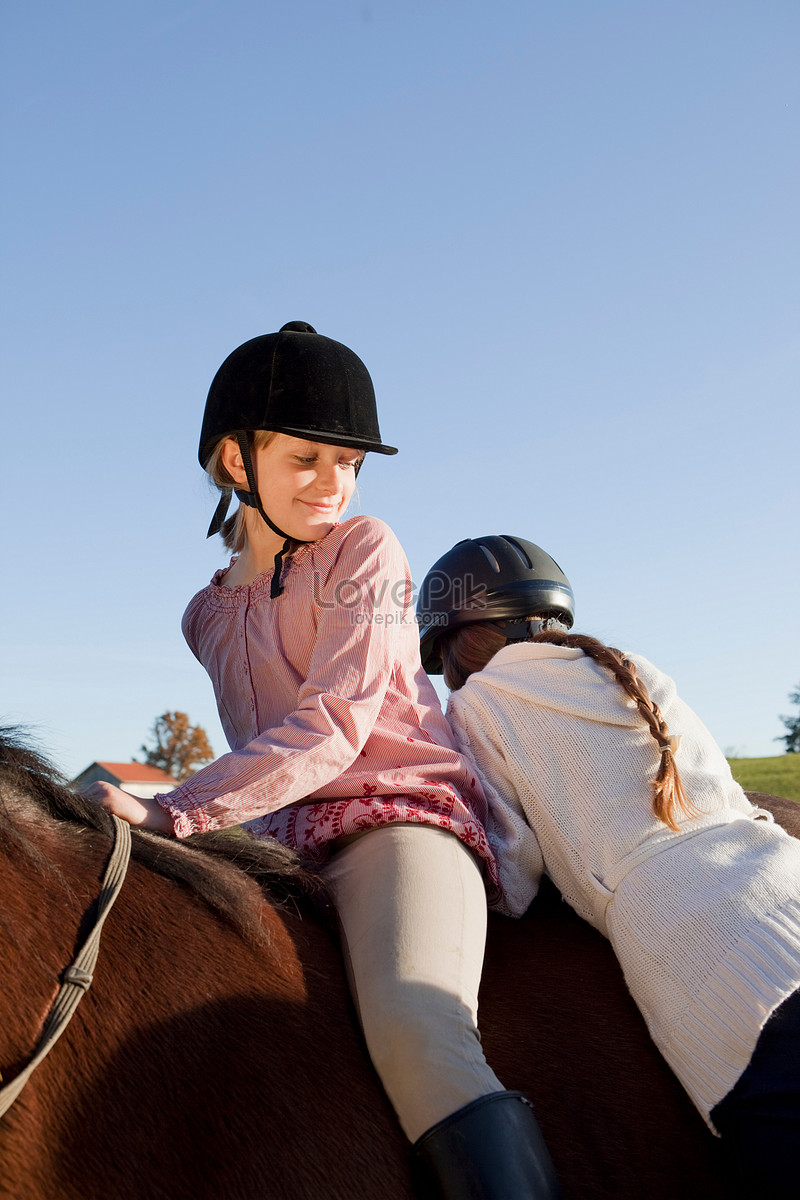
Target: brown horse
217,1052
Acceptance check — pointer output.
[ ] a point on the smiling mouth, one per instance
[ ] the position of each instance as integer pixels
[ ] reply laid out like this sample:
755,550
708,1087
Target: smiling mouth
321,507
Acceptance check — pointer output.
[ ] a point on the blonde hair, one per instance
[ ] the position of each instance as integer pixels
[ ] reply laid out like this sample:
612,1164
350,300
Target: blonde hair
234,529
470,648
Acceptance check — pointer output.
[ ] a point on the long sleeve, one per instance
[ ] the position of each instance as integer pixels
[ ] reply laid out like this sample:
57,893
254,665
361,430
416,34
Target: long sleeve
519,857
360,605
705,920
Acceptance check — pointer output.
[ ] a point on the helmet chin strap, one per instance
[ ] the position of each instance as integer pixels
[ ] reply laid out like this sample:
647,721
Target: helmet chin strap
252,499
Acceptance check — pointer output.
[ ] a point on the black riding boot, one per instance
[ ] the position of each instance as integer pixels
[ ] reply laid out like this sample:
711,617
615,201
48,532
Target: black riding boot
492,1149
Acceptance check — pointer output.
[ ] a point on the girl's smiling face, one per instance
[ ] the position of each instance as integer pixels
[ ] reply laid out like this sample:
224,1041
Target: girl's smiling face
305,486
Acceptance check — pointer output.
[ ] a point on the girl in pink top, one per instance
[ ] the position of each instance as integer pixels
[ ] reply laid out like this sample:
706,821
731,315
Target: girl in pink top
339,748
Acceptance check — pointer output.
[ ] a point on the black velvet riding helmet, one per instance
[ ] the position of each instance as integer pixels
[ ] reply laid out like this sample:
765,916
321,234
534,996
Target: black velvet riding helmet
296,382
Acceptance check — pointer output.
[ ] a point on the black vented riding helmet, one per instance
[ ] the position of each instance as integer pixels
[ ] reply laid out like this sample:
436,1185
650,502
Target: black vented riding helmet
493,578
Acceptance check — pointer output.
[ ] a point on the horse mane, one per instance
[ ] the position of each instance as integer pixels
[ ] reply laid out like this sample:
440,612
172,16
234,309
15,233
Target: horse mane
225,870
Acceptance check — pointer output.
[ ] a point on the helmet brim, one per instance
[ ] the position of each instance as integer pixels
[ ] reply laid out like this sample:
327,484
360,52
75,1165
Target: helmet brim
332,438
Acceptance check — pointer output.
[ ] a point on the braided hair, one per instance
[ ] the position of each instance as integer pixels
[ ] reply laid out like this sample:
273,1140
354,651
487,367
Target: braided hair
470,647
669,799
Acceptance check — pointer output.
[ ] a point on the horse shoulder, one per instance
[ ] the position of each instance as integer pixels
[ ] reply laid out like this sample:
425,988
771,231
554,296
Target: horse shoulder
786,812
199,1064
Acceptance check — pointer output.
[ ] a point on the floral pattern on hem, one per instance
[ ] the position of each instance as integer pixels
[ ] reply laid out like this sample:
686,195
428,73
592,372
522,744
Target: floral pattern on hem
310,828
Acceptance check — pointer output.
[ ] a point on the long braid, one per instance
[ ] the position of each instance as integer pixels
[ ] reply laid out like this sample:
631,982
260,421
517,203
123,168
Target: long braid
669,799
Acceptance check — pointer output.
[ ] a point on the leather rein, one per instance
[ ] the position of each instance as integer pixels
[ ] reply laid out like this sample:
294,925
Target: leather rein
77,978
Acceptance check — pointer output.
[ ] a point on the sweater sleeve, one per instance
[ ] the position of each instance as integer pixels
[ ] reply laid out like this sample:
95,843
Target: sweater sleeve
520,863
360,607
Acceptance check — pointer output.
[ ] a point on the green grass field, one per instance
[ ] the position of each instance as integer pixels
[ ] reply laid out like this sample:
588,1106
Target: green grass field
779,775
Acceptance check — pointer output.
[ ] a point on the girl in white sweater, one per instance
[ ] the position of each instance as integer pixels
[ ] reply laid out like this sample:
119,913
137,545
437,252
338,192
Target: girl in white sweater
579,749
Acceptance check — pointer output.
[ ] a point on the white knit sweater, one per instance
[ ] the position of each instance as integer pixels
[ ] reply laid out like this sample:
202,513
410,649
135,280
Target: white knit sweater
705,922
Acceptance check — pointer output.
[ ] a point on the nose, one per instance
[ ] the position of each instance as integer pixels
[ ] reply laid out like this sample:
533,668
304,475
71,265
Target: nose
328,479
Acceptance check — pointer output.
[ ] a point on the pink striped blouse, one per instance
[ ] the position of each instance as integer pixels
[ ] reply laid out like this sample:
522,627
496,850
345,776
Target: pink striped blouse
333,725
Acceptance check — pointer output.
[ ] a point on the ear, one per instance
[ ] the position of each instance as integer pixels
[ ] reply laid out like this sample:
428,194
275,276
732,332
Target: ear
231,460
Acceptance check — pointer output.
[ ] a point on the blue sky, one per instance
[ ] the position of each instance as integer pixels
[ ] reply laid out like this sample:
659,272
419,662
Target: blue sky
562,236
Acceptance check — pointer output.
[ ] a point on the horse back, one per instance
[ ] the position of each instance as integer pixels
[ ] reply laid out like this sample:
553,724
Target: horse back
559,1024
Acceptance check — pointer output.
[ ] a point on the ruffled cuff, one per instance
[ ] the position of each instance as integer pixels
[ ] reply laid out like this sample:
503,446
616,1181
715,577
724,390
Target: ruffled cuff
186,819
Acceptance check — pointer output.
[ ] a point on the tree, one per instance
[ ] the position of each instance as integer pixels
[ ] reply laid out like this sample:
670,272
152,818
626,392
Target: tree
180,748
792,737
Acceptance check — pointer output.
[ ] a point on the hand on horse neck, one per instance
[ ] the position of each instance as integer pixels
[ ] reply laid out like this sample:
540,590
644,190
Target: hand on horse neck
136,810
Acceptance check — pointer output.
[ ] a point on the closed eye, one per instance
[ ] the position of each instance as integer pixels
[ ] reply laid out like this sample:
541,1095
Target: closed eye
311,460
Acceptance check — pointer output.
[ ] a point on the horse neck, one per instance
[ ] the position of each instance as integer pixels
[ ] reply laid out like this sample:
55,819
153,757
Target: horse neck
45,904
